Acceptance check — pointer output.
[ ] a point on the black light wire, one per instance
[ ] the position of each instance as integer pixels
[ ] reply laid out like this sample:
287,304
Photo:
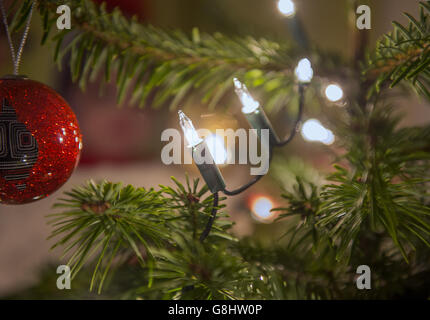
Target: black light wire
250,183
208,227
296,125
257,178
291,136
212,217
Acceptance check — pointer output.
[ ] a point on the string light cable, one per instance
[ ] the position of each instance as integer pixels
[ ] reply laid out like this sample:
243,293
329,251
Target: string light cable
296,125
211,220
250,183
258,121
264,124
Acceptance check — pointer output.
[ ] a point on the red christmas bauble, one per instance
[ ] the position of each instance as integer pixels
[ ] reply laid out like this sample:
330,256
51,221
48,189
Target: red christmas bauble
40,140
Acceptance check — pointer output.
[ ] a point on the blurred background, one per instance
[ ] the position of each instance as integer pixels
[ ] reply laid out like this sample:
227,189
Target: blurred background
123,144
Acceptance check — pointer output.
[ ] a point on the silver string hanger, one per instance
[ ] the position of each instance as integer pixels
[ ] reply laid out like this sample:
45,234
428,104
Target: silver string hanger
16,57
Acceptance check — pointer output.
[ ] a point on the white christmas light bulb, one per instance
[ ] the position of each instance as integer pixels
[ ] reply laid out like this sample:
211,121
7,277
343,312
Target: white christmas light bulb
313,130
190,132
249,104
303,71
286,7
334,92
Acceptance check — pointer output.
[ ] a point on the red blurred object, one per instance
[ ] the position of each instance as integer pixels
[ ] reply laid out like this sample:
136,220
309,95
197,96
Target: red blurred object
128,7
40,140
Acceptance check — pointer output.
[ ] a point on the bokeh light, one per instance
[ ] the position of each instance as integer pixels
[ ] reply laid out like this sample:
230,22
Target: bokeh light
334,92
260,208
286,7
313,130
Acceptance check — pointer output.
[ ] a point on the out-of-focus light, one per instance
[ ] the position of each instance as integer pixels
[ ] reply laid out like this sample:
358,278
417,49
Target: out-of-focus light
286,7
217,149
190,132
261,207
304,72
334,92
248,102
329,139
313,130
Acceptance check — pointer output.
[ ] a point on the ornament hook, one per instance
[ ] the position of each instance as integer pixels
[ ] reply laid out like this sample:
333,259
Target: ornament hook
16,57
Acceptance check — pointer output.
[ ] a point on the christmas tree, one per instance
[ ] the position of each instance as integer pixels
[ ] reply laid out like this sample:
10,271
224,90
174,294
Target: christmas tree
176,242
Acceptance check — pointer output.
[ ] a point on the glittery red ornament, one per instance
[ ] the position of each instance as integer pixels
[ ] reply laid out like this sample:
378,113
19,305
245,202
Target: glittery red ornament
40,140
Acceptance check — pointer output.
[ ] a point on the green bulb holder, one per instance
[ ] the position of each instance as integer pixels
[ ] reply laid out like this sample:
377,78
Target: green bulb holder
258,120
209,171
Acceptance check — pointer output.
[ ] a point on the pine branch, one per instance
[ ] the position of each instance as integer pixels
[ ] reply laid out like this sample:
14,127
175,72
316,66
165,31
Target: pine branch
192,270
163,65
105,222
104,219
384,187
159,65
194,211
404,54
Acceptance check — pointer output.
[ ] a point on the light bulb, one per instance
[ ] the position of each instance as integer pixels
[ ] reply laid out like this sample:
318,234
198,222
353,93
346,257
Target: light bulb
286,7
261,207
303,71
334,92
313,130
249,104
190,132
